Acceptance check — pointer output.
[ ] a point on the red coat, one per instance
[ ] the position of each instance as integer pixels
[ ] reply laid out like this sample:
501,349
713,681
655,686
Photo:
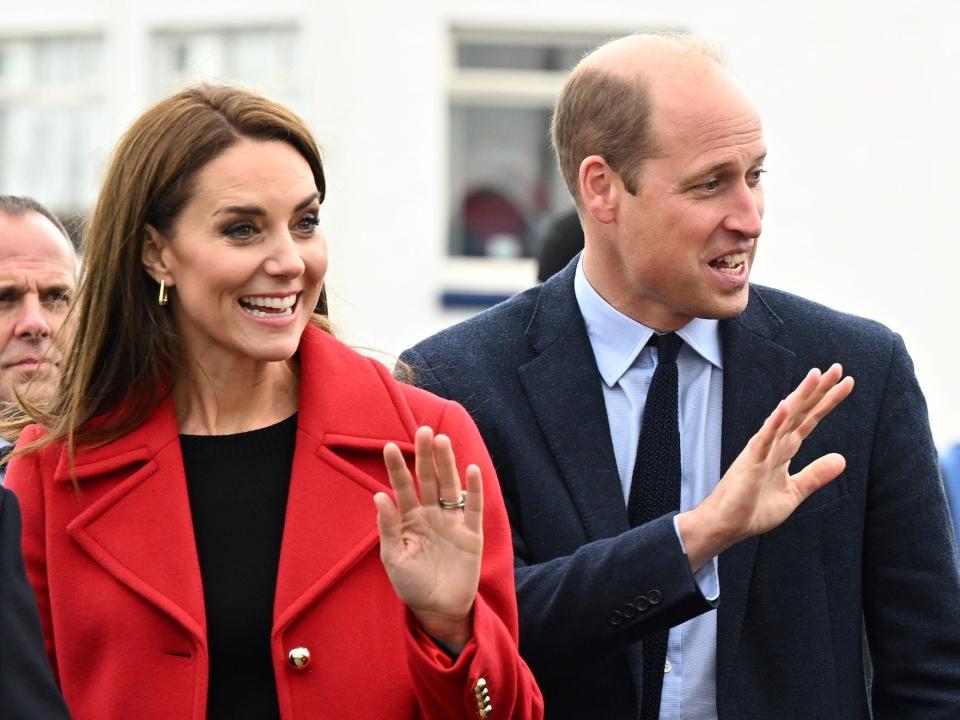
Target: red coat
118,582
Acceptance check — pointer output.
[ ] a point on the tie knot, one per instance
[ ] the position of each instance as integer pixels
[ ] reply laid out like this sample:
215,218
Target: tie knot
668,345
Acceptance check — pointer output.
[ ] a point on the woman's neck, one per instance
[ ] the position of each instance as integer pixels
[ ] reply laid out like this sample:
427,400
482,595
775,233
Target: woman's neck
227,400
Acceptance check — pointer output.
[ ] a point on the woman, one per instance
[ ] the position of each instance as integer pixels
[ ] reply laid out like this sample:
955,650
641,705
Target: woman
201,509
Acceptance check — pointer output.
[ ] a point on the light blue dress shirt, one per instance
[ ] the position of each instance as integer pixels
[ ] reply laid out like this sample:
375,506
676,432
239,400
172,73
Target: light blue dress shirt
626,366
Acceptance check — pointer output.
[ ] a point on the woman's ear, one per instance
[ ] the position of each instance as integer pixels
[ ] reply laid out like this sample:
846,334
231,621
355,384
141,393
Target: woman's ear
152,255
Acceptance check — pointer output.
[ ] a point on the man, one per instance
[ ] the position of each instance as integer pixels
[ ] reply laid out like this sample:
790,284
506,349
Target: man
37,278
38,269
663,154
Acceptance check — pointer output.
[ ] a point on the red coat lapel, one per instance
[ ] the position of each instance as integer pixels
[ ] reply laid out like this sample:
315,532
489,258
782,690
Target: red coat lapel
349,407
140,530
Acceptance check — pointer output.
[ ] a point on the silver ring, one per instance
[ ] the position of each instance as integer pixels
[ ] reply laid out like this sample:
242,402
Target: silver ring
456,504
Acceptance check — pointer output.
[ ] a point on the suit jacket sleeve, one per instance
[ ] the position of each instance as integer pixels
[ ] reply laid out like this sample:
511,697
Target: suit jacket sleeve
492,652
27,688
910,572
605,596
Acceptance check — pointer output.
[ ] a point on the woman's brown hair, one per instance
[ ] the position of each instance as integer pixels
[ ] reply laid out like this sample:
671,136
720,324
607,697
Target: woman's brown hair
127,351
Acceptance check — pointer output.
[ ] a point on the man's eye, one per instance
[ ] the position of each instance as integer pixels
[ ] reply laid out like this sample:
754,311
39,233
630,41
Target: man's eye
711,185
57,298
755,175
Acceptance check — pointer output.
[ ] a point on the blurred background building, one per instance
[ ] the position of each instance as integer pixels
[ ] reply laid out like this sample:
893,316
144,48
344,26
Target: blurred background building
433,117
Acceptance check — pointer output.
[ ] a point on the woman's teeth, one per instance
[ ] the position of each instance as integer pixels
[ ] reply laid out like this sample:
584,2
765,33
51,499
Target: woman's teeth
267,306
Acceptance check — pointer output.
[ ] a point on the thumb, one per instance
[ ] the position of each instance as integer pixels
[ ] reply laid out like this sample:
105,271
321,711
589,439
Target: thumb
818,473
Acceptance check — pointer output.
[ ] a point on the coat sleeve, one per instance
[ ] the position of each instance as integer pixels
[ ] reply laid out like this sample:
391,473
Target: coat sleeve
27,687
911,592
489,670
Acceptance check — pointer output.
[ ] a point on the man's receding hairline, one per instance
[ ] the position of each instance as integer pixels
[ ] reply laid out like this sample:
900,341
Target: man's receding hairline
68,243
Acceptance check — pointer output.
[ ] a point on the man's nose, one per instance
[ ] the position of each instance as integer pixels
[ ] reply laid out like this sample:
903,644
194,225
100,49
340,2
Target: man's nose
746,213
32,324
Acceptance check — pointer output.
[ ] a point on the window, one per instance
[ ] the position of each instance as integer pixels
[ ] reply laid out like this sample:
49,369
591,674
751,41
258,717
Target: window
52,119
263,58
505,187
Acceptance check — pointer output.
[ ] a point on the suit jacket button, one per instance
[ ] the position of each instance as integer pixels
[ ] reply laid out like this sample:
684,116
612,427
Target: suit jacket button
629,610
642,603
616,618
656,597
298,658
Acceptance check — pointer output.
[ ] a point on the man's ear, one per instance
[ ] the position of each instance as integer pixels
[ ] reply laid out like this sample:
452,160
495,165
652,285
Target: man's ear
600,189
152,254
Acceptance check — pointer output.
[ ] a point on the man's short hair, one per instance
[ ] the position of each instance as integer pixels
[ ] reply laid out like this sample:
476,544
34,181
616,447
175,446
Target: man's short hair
15,205
605,114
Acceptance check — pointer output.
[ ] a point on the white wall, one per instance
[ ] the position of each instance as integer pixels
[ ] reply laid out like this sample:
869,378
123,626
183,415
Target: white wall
859,99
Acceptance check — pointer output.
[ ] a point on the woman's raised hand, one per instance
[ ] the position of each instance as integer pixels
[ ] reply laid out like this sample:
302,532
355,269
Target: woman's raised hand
432,551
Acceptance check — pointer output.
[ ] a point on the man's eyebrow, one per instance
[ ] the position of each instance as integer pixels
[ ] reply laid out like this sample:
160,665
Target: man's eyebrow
720,167
259,211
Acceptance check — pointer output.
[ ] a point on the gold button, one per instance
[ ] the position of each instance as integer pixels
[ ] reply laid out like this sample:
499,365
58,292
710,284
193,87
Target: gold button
485,711
298,658
479,685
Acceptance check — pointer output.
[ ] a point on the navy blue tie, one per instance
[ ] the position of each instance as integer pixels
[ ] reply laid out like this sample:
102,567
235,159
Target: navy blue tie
655,488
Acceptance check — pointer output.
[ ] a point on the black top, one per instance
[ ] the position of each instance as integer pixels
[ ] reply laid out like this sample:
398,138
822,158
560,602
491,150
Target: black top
238,486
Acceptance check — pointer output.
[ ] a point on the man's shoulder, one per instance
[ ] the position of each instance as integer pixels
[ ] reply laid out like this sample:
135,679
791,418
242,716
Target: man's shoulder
807,320
487,332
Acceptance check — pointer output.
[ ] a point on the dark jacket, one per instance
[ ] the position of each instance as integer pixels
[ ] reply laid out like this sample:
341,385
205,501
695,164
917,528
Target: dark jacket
874,548
27,689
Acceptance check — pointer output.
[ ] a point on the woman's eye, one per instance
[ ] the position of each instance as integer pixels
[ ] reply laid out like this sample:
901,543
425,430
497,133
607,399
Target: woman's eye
240,231
308,224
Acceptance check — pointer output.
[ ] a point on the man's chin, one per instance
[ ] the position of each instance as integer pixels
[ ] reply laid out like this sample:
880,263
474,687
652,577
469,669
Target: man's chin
729,306
37,390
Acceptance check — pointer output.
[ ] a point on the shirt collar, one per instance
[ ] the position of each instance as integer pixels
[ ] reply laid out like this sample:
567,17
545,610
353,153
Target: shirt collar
617,339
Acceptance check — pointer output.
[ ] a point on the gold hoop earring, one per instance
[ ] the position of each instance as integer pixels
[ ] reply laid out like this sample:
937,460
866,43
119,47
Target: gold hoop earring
164,297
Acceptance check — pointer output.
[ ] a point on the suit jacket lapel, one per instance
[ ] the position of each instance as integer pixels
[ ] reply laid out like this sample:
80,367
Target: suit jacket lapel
563,386
757,374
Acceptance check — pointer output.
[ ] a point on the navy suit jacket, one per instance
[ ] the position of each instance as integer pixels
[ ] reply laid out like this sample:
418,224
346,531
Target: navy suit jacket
871,550
27,688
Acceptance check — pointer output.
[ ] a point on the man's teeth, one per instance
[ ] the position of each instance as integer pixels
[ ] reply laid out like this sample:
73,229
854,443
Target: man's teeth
730,264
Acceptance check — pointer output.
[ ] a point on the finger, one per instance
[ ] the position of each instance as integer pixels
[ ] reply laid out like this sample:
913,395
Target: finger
837,395
426,468
803,397
761,443
449,484
388,521
818,473
400,479
473,512
825,383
